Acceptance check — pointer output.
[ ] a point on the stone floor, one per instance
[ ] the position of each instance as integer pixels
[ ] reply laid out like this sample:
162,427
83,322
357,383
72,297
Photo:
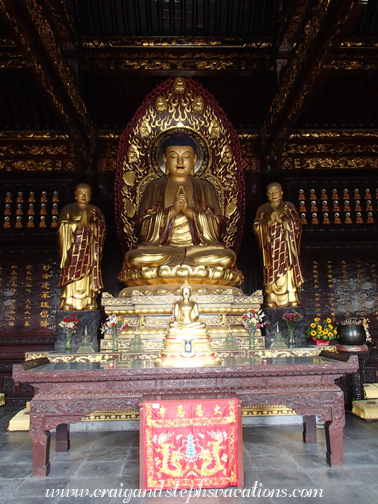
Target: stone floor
274,458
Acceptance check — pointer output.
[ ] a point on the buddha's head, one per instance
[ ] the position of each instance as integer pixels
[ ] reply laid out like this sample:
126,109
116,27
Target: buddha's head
186,292
83,194
274,193
180,155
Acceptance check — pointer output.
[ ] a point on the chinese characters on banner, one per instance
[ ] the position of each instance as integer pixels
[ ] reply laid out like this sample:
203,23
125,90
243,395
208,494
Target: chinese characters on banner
191,444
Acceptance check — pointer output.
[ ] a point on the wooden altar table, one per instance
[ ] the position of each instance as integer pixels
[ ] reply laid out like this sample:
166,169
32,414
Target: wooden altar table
65,392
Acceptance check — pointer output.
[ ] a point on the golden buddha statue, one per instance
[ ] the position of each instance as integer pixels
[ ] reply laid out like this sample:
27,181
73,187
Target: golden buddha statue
278,229
186,314
179,223
187,343
82,232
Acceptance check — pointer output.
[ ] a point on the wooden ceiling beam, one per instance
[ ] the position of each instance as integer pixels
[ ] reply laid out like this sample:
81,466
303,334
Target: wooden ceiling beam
28,25
326,23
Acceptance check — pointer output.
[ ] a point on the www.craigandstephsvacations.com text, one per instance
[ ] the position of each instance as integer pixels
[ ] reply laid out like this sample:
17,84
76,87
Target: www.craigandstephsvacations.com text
255,491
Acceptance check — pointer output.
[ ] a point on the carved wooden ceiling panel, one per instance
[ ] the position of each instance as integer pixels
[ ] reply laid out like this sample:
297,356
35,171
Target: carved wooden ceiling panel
274,66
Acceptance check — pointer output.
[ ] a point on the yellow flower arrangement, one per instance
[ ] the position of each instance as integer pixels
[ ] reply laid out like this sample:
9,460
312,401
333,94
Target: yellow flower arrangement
321,330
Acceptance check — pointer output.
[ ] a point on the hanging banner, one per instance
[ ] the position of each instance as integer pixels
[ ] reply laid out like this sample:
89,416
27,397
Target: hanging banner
191,444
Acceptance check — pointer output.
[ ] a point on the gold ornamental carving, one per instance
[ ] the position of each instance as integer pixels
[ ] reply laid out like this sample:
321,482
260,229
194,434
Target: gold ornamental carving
322,148
39,165
334,134
288,163
129,43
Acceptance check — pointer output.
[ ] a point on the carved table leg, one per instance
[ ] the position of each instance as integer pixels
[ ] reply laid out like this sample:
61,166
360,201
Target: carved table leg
41,453
334,435
62,438
309,429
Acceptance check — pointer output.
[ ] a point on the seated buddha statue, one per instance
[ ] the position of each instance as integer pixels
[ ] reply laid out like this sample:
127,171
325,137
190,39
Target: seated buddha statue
186,314
179,222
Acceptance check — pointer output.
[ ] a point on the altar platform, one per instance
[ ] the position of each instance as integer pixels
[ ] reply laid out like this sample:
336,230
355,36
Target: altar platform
69,391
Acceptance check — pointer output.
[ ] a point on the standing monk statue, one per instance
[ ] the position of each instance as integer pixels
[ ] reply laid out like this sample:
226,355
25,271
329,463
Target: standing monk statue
179,220
82,231
278,229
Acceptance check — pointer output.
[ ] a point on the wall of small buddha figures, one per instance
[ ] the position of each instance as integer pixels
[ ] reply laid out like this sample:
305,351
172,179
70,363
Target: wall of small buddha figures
338,209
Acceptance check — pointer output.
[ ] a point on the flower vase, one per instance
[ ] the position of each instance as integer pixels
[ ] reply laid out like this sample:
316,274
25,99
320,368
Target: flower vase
291,340
252,338
68,343
115,342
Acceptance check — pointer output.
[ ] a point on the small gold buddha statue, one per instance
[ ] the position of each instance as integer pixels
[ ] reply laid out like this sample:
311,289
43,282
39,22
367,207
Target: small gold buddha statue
370,219
369,207
31,197
55,209
368,194
6,224
314,218
313,207
356,195
346,194
54,221
324,195
335,196
348,219
347,206
30,223
326,218
313,195
337,219
42,222
336,207
31,209
7,209
303,219
325,206
18,223
357,206
186,314
43,210
43,197
19,209
197,105
8,197
20,198
187,343
301,195
302,207
359,219
55,198
161,104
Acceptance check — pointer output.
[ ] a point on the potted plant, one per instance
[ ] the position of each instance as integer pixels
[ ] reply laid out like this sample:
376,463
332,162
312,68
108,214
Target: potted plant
321,331
354,331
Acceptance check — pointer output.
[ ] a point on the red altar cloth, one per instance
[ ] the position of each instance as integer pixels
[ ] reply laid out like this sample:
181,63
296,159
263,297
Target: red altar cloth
191,444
